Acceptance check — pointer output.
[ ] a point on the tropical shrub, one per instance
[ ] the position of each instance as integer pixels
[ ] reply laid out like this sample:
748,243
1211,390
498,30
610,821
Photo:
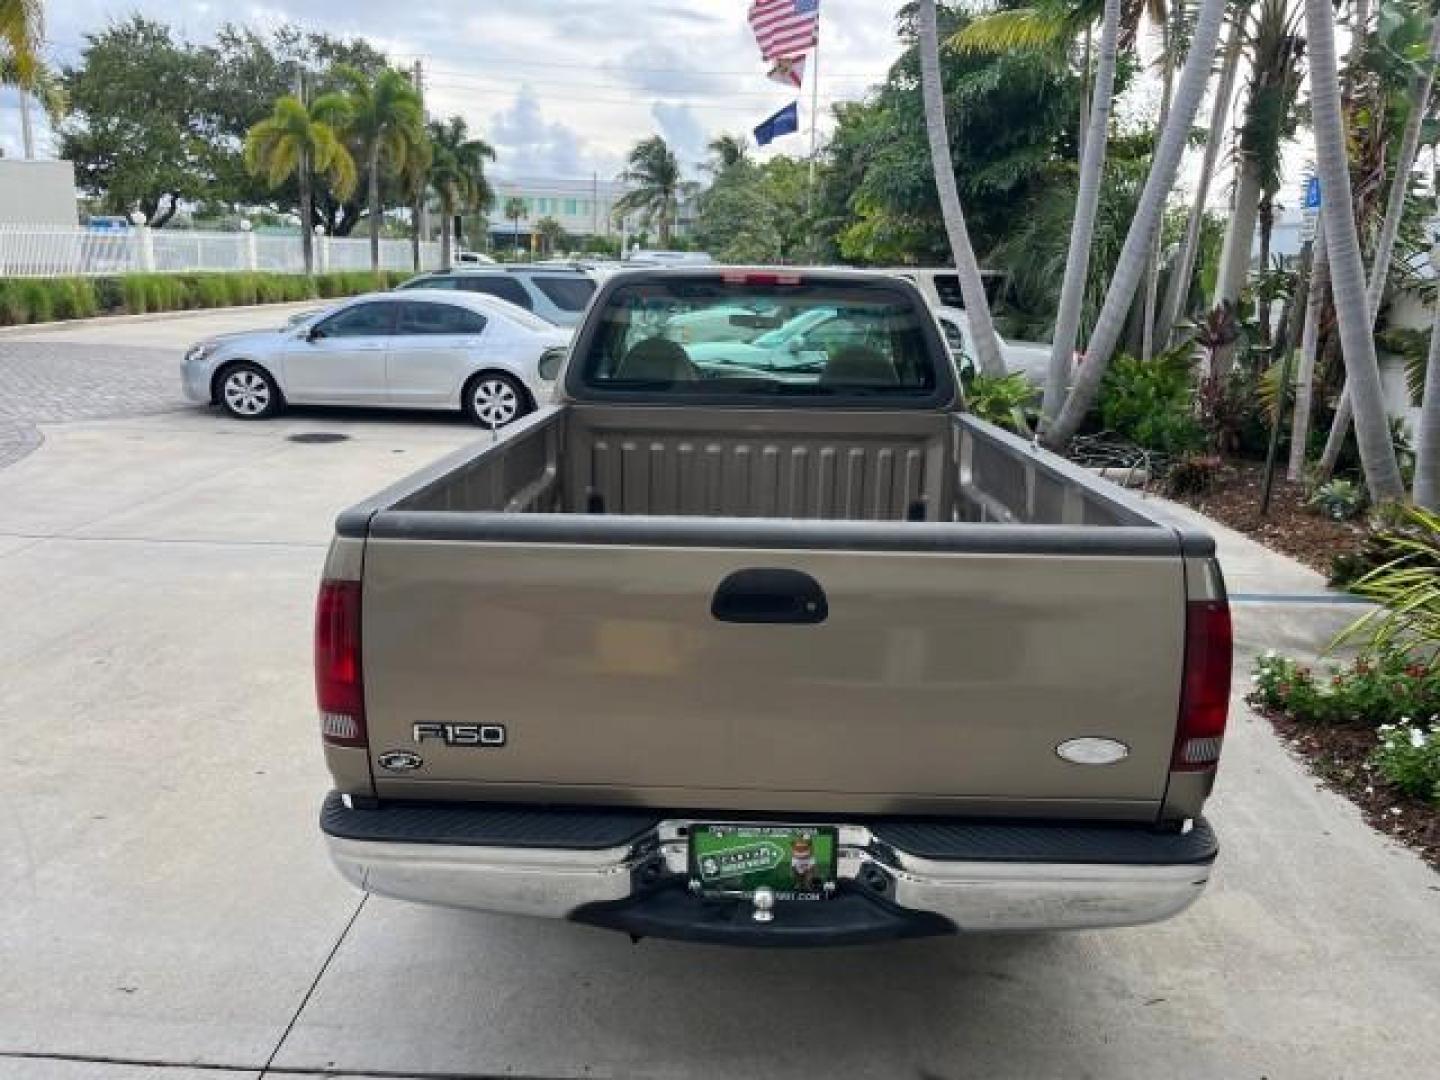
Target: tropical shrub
1149,403
1338,499
1407,584
35,300
1193,474
1384,688
1001,399
1408,756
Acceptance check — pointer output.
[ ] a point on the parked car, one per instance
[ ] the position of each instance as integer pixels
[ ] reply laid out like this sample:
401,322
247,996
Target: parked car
657,257
557,294
1030,357
420,349
940,285
714,652
473,258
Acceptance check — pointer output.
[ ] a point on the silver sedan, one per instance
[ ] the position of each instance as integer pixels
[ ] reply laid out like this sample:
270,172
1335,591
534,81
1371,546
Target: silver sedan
418,349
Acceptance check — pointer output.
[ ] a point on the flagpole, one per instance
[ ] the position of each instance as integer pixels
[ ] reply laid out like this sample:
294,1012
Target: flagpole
814,110
814,98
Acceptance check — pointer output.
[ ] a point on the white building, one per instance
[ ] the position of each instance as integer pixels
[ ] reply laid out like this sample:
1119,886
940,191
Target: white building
582,207
38,193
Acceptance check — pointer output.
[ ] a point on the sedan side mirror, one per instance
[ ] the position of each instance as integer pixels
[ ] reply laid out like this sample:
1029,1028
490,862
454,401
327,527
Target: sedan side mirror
313,334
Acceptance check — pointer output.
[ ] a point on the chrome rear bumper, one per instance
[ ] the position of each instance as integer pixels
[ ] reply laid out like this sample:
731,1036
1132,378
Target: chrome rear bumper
621,886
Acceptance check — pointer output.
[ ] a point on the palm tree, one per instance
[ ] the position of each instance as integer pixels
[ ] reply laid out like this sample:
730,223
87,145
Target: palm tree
551,233
300,141
1427,440
1422,83
654,171
1347,270
1082,228
967,268
1171,28
415,179
457,173
22,28
1309,352
1189,89
515,210
1274,47
35,81
387,122
726,152
1177,292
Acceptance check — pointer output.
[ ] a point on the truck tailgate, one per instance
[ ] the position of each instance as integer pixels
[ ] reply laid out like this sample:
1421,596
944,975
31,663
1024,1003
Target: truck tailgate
937,682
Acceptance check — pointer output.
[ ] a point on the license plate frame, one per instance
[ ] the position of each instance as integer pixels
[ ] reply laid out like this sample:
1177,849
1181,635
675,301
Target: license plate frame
731,860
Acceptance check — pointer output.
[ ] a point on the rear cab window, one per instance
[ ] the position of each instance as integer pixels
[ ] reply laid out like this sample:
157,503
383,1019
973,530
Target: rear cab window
771,339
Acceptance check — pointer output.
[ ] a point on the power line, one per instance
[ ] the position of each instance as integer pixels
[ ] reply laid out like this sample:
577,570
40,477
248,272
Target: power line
636,99
590,66
615,84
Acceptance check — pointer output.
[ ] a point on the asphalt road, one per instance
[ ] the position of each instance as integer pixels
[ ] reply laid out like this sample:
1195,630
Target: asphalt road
166,909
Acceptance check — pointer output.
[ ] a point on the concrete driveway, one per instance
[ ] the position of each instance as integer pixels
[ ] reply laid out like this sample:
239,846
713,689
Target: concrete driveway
168,910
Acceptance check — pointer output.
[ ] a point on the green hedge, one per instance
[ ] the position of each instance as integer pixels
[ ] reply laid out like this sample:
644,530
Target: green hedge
38,300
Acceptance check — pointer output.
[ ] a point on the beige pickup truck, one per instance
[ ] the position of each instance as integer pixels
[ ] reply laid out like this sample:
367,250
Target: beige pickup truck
770,646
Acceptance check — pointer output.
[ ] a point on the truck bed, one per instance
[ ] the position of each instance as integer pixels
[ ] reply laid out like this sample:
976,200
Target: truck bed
776,465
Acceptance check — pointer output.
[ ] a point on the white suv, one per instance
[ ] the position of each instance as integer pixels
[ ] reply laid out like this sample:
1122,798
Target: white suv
557,294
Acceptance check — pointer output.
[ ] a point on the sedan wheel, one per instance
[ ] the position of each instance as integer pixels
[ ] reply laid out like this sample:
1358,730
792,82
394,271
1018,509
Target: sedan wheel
248,392
493,401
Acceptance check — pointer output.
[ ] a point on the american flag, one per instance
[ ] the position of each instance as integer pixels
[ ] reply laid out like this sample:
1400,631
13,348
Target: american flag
785,27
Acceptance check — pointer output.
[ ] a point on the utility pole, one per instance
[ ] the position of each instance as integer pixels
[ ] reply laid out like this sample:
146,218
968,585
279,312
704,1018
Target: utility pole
595,204
422,205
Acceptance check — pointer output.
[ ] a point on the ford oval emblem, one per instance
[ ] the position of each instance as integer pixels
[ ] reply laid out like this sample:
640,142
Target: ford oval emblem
1092,751
400,760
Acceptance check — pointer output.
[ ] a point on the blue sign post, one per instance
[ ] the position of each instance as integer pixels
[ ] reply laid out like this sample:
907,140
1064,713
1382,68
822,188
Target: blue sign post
1312,193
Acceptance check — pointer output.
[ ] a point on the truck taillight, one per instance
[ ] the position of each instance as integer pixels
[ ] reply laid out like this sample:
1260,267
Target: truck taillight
1205,696
339,687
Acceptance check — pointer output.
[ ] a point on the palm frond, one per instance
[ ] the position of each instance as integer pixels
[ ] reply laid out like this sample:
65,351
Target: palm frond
1020,30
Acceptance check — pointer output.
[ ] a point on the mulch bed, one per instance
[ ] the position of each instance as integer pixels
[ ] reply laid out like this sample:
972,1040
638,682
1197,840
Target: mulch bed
1339,754
1290,527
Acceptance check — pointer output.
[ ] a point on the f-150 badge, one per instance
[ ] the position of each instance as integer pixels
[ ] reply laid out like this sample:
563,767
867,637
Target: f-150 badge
476,736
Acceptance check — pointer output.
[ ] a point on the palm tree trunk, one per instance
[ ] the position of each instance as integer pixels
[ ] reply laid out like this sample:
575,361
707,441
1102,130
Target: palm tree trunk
1266,215
1178,293
447,225
1082,136
374,200
1347,270
1309,347
1152,269
1427,441
1082,226
417,211
972,285
27,131
1131,263
307,214
1420,91
1239,235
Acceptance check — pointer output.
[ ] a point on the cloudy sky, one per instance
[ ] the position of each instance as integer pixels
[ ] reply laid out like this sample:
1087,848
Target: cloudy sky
560,87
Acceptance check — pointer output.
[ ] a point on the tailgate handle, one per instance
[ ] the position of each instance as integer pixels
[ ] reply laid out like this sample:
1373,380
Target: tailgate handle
770,596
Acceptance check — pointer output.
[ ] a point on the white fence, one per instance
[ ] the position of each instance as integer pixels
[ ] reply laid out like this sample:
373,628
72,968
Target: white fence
27,252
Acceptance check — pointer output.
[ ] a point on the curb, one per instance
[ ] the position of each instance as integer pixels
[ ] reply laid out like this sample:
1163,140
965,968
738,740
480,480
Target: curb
153,316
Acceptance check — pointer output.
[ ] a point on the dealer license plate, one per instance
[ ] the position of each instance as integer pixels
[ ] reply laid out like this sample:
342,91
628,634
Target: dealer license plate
796,862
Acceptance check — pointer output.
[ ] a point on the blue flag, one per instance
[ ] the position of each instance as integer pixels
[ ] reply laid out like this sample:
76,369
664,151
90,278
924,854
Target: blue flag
784,122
